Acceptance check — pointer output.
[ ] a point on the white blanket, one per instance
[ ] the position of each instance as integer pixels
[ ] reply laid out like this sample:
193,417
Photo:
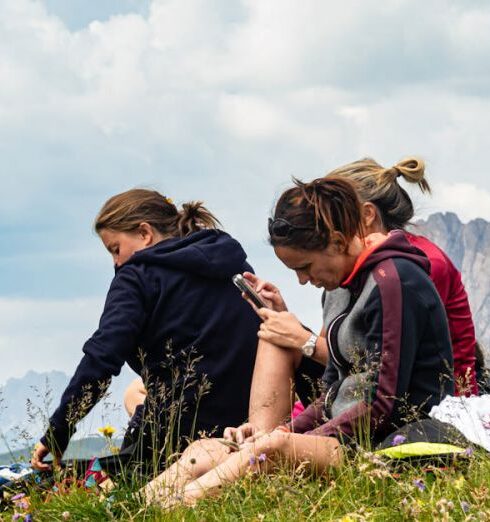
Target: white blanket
470,415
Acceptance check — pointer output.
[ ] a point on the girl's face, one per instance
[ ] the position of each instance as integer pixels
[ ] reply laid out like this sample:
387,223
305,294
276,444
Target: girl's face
325,268
122,245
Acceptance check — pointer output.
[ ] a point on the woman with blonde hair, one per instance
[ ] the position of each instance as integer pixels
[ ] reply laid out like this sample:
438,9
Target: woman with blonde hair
174,316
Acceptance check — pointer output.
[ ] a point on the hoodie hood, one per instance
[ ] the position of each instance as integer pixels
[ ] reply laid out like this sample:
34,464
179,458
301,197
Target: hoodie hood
207,253
395,244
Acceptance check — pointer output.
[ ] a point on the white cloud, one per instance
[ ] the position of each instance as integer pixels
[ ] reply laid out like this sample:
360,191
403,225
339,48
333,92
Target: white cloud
224,104
466,199
44,334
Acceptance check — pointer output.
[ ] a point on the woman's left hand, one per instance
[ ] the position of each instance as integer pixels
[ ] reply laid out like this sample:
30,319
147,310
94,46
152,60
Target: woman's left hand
282,329
39,454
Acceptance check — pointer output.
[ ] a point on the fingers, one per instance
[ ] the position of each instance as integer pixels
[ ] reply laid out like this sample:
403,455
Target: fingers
260,284
38,464
229,433
266,313
250,277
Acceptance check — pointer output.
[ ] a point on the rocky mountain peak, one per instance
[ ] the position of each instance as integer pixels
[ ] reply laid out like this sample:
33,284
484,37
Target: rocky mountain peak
468,246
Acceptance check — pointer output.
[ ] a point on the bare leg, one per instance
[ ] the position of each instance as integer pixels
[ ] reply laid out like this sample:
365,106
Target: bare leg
272,392
134,395
197,459
319,452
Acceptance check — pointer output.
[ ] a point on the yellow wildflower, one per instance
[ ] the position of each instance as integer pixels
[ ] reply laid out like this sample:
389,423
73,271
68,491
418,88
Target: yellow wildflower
107,430
459,482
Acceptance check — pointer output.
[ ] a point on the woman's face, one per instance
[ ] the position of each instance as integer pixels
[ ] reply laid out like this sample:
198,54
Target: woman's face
122,245
325,268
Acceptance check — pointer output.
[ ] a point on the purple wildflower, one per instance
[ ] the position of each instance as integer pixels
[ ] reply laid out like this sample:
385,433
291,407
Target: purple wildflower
16,516
419,483
262,457
398,439
252,461
469,452
465,506
28,518
18,497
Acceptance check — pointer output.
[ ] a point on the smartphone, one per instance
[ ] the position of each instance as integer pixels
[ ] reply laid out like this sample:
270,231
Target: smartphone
241,283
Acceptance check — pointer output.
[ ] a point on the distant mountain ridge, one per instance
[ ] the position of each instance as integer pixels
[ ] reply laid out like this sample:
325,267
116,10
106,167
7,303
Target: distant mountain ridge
468,246
27,402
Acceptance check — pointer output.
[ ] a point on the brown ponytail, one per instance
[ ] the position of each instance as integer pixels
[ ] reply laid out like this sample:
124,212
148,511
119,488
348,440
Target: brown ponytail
126,211
193,217
314,211
380,186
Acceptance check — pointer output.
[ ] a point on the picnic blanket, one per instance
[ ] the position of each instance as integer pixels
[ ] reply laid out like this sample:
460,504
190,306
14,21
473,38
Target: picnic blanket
469,415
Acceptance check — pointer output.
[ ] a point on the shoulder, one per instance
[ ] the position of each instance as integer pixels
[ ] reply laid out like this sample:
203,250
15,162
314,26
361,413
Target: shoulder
442,270
440,263
132,278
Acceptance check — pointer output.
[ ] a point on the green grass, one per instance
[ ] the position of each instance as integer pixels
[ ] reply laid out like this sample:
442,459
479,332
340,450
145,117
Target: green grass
362,489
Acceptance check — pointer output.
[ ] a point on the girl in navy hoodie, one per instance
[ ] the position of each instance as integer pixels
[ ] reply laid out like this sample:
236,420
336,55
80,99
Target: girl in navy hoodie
174,316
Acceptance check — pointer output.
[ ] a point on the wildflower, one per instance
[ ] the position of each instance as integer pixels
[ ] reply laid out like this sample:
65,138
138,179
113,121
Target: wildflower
465,506
18,497
107,430
419,483
28,518
252,461
459,482
65,515
398,439
262,457
469,452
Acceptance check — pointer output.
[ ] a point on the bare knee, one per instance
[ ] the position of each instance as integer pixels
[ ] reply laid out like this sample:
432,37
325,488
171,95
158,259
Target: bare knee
134,395
200,456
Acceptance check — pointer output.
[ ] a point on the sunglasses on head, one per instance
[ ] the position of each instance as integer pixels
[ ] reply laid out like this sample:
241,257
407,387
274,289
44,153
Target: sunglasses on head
280,227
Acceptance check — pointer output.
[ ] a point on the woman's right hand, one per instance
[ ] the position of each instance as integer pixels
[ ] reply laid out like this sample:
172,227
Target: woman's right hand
269,293
243,434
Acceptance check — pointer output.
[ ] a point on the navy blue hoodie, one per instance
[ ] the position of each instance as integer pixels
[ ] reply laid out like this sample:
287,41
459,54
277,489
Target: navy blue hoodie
167,304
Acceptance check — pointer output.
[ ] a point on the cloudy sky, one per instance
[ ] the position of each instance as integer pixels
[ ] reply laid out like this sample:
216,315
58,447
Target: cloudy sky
218,100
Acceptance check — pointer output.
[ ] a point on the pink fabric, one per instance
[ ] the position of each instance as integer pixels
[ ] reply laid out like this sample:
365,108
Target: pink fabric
447,280
297,409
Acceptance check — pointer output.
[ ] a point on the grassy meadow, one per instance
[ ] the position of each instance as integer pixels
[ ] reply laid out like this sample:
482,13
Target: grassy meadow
365,488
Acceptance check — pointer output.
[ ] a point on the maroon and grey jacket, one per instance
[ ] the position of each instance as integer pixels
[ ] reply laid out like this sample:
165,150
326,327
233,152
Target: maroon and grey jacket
389,341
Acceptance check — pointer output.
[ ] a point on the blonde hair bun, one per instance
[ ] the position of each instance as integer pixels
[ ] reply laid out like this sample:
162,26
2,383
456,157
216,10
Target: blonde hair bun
412,170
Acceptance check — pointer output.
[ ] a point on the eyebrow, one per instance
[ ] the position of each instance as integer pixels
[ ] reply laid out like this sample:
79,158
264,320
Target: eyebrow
300,267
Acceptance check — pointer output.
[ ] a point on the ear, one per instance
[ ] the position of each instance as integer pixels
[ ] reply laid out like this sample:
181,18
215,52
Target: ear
339,242
369,217
145,230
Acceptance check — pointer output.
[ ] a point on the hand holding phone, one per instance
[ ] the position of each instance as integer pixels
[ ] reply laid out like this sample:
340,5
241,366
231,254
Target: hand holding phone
249,292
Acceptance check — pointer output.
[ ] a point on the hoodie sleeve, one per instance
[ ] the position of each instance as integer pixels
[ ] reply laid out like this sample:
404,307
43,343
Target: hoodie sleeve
105,353
392,354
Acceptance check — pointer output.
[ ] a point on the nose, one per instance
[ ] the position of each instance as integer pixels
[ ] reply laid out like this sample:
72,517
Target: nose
303,279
